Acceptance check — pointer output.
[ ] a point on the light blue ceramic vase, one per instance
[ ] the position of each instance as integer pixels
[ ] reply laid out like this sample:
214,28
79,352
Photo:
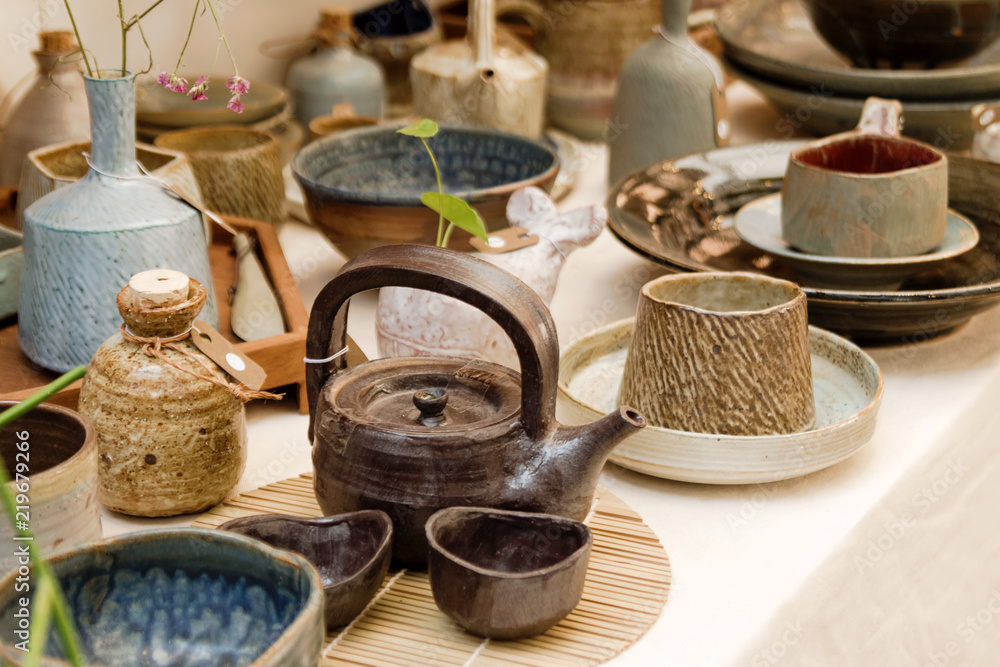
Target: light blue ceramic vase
669,100
83,242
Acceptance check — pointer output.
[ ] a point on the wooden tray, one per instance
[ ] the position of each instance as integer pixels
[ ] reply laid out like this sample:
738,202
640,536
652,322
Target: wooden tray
281,356
628,580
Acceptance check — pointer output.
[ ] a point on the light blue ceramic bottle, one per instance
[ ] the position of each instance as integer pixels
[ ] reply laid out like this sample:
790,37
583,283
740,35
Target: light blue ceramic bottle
669,100
336,74
84,241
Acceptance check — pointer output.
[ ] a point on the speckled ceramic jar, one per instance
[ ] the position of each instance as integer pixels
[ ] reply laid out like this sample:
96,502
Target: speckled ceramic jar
168,443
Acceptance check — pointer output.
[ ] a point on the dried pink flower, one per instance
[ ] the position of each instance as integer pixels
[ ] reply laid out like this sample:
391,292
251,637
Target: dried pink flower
197,91
172,82
237,85
235,104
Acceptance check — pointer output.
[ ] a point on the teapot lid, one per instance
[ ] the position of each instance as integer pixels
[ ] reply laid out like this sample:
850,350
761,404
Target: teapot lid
432,395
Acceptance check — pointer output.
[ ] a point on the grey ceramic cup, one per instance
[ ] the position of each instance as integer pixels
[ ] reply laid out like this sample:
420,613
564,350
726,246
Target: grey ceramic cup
721,353
867,192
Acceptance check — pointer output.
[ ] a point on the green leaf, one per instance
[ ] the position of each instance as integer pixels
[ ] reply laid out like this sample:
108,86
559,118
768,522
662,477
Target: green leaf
456,211
422,128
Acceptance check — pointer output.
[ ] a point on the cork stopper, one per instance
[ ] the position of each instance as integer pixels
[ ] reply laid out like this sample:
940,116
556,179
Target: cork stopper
335,20
57,41
158,288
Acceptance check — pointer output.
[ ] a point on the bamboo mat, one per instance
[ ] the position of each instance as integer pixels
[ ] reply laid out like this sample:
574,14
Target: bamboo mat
628,580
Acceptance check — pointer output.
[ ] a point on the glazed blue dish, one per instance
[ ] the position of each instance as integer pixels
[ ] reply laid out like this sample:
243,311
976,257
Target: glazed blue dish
362,187
184,598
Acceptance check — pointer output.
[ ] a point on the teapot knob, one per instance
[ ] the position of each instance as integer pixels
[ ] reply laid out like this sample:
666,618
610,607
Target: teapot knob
431,404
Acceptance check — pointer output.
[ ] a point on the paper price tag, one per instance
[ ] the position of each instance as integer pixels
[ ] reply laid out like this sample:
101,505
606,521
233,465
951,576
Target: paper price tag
506,240
221,351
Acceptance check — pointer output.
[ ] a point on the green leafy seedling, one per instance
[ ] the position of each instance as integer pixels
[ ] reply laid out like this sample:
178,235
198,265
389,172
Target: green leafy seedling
455,210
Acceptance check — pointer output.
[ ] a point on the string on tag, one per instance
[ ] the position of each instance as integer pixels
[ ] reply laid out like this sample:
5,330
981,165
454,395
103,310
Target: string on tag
152,347
335,355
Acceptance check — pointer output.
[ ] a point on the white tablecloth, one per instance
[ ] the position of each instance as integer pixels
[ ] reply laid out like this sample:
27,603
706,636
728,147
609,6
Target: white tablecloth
889,558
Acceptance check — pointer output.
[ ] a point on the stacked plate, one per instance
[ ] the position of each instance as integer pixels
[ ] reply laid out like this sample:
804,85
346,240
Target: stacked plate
773,46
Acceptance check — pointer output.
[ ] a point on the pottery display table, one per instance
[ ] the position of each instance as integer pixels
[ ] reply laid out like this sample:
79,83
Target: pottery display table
887,558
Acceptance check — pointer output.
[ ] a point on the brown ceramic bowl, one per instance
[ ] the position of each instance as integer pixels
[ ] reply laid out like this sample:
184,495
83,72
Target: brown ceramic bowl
56,449
889,33
323,126
238,169
350,551
504,574
362,187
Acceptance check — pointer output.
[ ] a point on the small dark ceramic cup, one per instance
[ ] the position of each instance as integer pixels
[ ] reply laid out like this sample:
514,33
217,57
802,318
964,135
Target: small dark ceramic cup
351,552
504,574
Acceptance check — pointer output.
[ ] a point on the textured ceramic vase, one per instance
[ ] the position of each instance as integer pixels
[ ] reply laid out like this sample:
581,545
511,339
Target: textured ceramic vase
168,442
335,74
480,81
415,322
54,448
54,108
238,169
723,353
669,101
585,43
84,241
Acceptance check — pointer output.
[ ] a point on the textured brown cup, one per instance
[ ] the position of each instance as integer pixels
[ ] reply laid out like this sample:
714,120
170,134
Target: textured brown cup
723,353
238,169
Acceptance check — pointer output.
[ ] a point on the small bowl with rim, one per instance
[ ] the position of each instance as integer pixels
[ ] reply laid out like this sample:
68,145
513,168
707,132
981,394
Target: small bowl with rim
505,574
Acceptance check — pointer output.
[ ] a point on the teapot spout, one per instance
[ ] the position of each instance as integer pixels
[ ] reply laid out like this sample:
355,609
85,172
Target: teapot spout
593,442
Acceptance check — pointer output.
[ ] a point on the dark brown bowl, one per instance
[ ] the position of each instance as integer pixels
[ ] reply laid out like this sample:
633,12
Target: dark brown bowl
888,33
351,552
504,574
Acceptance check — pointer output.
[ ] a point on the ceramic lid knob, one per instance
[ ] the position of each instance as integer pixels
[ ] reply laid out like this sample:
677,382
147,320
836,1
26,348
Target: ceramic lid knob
431,403
158,288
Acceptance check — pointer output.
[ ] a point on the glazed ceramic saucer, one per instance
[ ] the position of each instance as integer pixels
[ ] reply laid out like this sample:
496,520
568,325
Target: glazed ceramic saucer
777,40
847,385
759,224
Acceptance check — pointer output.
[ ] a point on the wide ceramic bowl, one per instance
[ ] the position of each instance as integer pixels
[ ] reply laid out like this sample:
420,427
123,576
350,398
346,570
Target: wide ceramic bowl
51,452
887,33
351,552
362,187
505,574
183,598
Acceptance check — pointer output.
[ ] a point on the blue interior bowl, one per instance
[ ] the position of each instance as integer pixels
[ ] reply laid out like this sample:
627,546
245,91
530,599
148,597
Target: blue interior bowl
183,598
362,187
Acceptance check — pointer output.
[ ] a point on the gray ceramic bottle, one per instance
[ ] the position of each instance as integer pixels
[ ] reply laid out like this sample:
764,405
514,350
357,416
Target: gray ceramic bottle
336,74
669,100
84,241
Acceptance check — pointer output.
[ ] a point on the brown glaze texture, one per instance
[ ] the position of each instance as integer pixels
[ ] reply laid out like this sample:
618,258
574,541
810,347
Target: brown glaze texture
721,353
506,575
60,462
169,443
350,551
496,446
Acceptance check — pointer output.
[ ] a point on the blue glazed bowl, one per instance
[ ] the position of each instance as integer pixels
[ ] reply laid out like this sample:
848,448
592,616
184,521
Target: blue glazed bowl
183,598
362,187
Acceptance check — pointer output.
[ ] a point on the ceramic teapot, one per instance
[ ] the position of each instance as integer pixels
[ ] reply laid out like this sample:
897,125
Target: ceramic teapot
413,435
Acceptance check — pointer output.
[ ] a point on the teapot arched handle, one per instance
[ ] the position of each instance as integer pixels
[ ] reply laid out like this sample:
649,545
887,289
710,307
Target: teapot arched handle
508,301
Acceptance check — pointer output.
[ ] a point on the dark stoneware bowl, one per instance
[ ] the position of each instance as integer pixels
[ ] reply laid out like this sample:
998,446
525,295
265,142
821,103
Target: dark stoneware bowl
504,574
183,598
351,552
887,33
362,187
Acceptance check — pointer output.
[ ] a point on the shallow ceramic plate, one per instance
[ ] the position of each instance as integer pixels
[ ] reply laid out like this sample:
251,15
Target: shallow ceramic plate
776,38
759,224
157,106
847,385
946,124
679,213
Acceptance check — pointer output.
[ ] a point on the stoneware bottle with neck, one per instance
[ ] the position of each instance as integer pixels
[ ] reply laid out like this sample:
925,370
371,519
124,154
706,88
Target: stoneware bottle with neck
168,442
481,81
336,73
669,100
84,241
53,109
